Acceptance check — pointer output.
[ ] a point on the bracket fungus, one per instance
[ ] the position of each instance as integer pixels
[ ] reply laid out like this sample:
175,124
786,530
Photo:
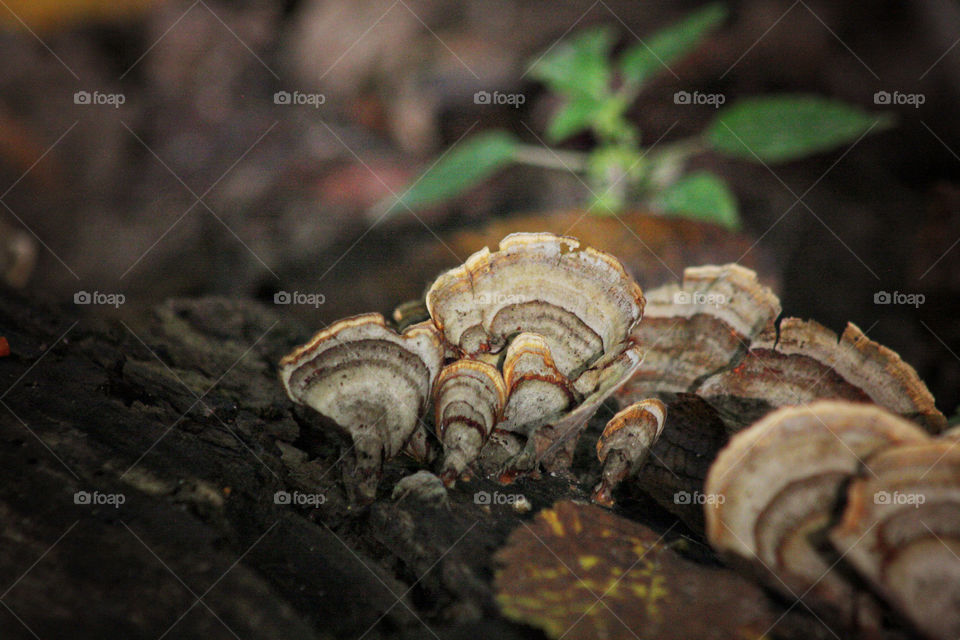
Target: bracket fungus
535,336
625,444
580,301
901,532
372,382
805,361
773,490
537,390
717,335
468,398
698,327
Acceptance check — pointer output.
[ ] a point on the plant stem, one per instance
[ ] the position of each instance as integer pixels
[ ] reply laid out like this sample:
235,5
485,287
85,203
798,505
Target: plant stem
551,158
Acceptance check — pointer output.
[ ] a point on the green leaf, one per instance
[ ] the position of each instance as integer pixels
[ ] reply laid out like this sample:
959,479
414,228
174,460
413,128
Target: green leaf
786,127
701,196
642,61
464,166
579,66
576,115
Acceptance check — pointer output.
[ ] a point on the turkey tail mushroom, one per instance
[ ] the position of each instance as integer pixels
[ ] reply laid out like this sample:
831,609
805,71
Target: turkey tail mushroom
536,390
625,444
580,300
901,532
469,396
772,491
372,382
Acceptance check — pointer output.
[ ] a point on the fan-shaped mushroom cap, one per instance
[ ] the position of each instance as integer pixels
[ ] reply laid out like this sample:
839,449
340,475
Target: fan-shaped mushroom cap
371,381
805,361
901,531
772,490
697,327
536,390
468,397
625,444
717,335
581,301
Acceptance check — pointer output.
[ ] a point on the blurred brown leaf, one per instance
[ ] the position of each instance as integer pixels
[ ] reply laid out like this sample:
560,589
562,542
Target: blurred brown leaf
580,571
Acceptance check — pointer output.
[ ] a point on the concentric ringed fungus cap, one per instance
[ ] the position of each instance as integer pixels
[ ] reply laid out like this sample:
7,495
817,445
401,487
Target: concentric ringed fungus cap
811,362
580,300
717,334
370,381
536,390
468,398
773,489
699,326
901,532
625,444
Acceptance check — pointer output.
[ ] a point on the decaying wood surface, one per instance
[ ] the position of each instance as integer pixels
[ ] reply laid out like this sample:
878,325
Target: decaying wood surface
178,432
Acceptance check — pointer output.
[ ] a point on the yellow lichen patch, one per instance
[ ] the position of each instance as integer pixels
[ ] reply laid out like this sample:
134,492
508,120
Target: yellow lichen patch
587,562
553,520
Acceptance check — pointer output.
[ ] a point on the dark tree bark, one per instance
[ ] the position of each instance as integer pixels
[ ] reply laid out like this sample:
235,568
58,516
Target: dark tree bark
139,463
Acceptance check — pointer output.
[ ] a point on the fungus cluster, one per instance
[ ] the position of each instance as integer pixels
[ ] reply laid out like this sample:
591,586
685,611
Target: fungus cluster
718,354
717,334
810,492
519,349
